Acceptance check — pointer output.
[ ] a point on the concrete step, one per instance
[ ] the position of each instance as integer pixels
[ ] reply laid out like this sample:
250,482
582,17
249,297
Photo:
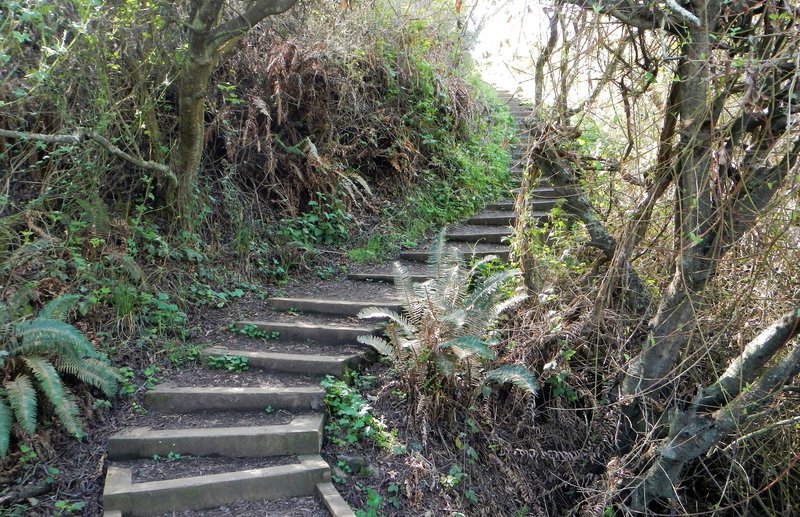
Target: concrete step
328,333
493,218
333,501
168,398
302,436
210,491
293,363
501,218
479,234
335,307
544,193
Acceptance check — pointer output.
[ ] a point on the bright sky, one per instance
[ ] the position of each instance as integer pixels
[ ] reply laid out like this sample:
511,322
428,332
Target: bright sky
508,41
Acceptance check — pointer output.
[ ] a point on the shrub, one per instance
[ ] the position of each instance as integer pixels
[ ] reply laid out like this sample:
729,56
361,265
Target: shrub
441,342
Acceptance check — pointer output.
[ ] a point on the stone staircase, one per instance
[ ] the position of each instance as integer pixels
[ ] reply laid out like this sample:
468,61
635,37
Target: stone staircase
316,332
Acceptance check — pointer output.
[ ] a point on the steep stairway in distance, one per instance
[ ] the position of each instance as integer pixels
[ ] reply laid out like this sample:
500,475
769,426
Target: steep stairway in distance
234,444
488,231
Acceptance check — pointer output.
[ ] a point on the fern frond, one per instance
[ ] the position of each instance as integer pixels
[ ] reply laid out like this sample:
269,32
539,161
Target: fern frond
59,307
515,374
5,314
403,284
52,337
467,346
437,254
6,419
95,212
94,372
22,398
23,255
50,385
478,263
489,286
379,344
18,301
446,365
511,302
399,319
127,265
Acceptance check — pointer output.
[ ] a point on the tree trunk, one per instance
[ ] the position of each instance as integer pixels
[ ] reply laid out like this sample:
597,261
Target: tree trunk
192,85
209,38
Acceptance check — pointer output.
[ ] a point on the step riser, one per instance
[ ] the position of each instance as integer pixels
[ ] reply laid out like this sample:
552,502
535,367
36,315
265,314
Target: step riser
543,205
479,238
381,277
493,221
189,400
336,308
424,256
197,493
329,334
251,442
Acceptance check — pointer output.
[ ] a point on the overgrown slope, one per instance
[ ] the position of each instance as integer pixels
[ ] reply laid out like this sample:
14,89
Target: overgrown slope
320,126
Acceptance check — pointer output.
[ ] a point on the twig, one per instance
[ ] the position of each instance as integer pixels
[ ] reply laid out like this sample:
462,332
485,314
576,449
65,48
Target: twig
82,134
672,4
762,430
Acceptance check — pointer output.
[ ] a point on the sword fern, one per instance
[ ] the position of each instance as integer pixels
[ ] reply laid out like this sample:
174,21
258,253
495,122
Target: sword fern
34,354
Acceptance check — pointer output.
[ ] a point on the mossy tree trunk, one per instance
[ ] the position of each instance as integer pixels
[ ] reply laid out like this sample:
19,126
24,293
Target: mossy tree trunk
210,35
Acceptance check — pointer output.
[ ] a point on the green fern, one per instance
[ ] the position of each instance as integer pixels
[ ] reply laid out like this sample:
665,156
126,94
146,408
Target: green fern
42,349
468,346
6,419
515,374
50,385
445,320
58,308
379,344
43,336
22,398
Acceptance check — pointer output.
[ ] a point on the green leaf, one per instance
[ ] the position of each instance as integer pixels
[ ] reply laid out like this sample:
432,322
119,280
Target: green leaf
514,374
467,346
50,384
6,419
22,398
44,336
58,308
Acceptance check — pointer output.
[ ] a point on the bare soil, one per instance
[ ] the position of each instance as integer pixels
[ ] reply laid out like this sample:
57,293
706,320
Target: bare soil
188,466
205,419
197,375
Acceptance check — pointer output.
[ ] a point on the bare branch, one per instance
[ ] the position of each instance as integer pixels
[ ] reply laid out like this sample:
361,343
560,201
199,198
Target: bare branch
242,23
756,354
692,435
83,134
672,4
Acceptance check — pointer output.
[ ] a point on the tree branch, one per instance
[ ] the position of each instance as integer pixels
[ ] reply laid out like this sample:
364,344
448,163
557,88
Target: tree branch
242,23
692,435
558,171
756,354
83,134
